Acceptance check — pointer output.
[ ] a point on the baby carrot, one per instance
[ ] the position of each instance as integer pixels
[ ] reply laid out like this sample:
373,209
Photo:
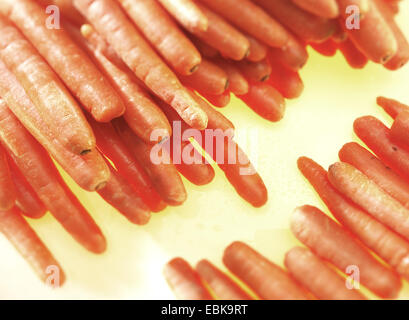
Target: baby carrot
322,8
258,50
383,241
187,14
29,245
7,189
108,20
391,106
255,71
164,34
249,17
67,10
294,55
400,127
265,278
317,277
54,103
310,225
219,101
76,70
184,281
221,284
266,101
237,82
205,50
355,58
286,81
363,5
328,48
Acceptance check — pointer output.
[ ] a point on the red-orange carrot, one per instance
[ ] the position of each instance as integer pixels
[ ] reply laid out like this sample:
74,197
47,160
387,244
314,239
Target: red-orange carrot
384,242
328,48
294,55
187,14
258,50
355,58
322,8
184,281
363,6
391,106
286,81
67,10
7,189
255,71
252,19
205,50
265,278
340,35
237,82
219,101
400,127
265,101
317,277
222,285
311,226
106,17
163,33
30,246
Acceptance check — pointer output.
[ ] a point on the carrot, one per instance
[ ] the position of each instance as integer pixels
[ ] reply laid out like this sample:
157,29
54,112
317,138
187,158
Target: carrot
258,50
286,81
89,170
221,284
26,198
266,101
265,278
39,170
294,55
108,19
29,245
164,176
255,71
340,35
328,48
374,38
209,78
310,226
355,58
250,18
230,42
219,101
369,196
391,106
205,50
67,10
305,25
363,5
237,82
311,272
7,189
384,242
322,8
399,129
187,14
184,281
164,34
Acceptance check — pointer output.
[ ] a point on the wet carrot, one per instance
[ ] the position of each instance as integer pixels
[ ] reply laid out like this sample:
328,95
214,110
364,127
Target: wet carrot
328,48
286,81
7,188
322,8
310,226
108,19
355,58
391,106
265,278
29,245
294,55
187,14
221,284
164,34
258,50
317,277
384,242
255,71
237,82
184,281
250,18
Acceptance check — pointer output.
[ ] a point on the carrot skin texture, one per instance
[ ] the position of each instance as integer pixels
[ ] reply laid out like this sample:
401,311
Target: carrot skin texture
7,188
391,106
141,58
400,127
255,71
355,58
322,8
310,226
67,10
219,101
237,82
294,55
28,244
266,279
328,48
286,81
258,50
363,6
222,285
184,281
163,33
313,274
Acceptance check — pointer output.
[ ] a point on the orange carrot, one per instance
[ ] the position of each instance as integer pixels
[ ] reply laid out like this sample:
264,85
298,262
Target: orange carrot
237,82
7,189
328,48
340,35
255,71
363,5
310,226
294,55
205,50
252,19
286,81
108,19
184,281
322,8
219,101
258,50
221,284
391,106
67,10
30,246
187,14
163,33
384,242
317,277
266,101
400,127
265,278
355,58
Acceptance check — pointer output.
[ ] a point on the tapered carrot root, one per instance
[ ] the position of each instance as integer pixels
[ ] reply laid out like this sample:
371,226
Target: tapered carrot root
208,79
286,81
355,58
187,14
384,242
294,55
222,285
391,106
106,17
317,277
219,101
258,50
54,103
163,33
311,225
255,71
237,82
266,279
257,22
184,281
205,50
266,101
369,196
7,189
322,8
328,48
30,246
400,127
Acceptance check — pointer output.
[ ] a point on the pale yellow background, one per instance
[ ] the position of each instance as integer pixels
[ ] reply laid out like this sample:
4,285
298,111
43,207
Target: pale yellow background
316,125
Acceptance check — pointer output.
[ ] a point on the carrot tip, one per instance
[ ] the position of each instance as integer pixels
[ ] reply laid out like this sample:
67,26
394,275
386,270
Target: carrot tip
226,86
84,152
100,186
265,78
194,68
